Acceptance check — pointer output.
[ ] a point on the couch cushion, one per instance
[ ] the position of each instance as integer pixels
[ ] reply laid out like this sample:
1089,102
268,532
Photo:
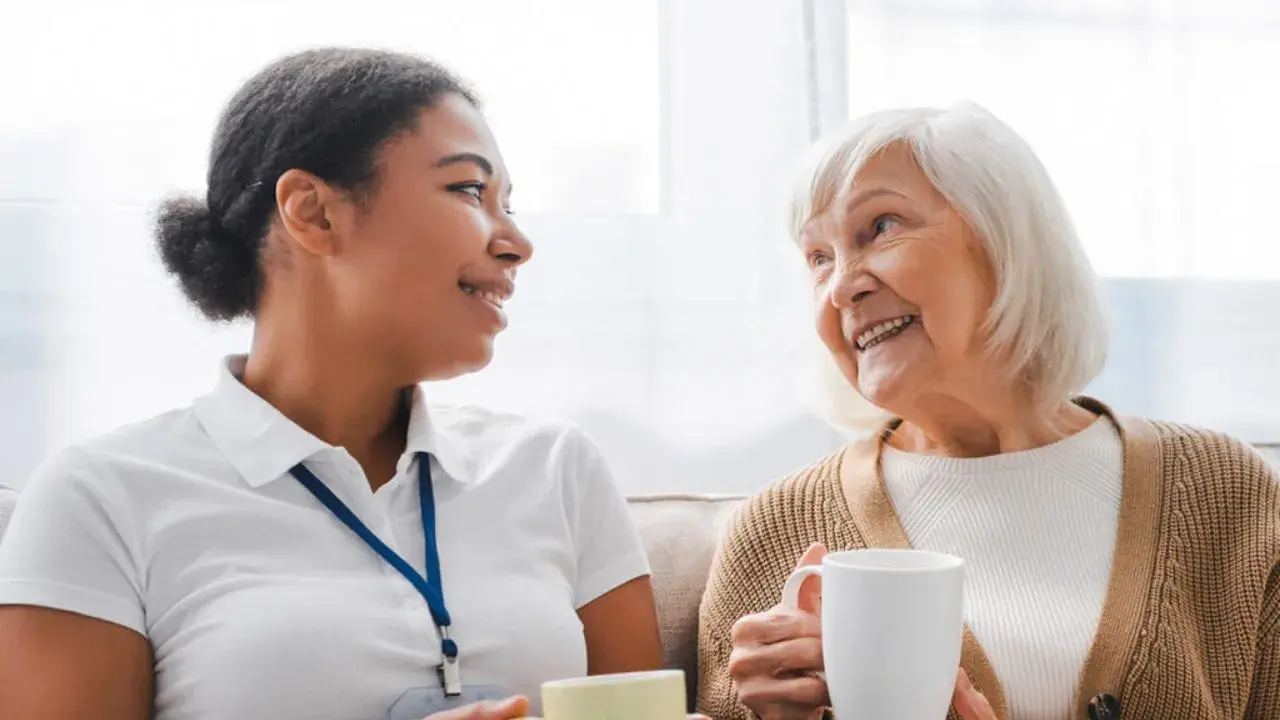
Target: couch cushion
680,534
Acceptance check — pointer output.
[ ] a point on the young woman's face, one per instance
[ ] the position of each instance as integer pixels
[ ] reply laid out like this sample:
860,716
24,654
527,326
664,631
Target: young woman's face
433,256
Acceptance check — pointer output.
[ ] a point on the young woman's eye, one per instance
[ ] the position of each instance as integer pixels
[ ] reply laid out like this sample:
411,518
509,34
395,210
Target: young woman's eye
474,189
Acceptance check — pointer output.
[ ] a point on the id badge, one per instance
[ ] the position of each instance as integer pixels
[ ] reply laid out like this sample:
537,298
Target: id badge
418,703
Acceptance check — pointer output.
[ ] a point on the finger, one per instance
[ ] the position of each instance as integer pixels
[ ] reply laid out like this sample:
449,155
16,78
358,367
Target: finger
801,694
791,657
512,707
971,704
776,625
812,556
810,599
509,709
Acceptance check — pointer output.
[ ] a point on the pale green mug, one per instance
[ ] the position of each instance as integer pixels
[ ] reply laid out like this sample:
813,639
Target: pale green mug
656,695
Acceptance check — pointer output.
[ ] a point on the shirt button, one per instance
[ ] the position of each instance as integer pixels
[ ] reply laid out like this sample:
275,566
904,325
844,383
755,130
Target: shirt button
1104,707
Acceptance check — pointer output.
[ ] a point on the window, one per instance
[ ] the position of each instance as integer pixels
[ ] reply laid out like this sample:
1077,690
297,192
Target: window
653,144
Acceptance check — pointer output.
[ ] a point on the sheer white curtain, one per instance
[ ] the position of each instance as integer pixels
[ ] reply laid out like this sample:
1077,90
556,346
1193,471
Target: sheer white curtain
651,144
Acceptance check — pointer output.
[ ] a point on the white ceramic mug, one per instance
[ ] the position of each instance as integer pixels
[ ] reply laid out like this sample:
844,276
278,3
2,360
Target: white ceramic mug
892,622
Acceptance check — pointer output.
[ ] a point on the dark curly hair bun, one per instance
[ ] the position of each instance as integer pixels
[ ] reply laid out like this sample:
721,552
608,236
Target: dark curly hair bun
217,272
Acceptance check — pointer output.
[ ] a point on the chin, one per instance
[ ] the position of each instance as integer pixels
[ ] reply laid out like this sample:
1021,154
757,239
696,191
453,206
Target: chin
476,360
889,391
465,361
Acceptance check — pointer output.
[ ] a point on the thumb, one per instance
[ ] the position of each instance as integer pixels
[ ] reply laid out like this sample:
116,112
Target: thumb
812,556
509,709
512,707
811,590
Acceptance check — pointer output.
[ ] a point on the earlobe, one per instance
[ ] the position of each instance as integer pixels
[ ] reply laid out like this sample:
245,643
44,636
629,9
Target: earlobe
304,202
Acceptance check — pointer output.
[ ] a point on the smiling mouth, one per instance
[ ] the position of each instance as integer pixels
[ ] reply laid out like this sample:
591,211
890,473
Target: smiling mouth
884,331
496,299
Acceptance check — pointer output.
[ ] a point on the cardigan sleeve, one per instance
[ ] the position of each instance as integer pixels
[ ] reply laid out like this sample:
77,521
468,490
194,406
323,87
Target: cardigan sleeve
757,554
744,580
1264,695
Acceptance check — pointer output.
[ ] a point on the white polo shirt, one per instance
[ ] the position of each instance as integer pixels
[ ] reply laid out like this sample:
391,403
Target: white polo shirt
259,603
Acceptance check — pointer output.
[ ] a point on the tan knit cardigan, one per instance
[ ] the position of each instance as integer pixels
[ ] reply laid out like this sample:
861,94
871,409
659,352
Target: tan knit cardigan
1190,627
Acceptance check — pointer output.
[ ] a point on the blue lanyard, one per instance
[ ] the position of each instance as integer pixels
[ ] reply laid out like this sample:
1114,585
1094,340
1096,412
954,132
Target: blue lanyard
431,587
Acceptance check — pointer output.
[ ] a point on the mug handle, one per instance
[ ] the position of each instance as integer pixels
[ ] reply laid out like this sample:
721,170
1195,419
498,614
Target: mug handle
791,591
791,595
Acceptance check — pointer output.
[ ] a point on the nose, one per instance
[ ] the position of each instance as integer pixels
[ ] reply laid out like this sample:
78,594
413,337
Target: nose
850,284
509,245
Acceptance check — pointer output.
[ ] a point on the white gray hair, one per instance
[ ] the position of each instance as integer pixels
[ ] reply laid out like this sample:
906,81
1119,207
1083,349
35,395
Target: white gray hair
1047,315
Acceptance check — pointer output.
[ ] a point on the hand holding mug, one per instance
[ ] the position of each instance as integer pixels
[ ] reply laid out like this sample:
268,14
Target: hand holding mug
891,627
777,660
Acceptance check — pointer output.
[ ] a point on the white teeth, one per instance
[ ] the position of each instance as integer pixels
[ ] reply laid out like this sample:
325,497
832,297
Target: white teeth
882,331
491,297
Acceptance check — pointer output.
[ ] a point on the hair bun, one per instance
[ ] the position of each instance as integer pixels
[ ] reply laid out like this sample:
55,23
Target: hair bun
213,268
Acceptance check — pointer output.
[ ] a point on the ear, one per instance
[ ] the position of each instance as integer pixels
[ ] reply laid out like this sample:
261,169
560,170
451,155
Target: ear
308,207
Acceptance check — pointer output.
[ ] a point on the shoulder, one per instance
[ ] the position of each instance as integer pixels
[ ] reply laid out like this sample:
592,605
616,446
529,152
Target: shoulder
538,454
800,496
108,468
1220,484
772,528
480,428
1213,461
765,539
170,434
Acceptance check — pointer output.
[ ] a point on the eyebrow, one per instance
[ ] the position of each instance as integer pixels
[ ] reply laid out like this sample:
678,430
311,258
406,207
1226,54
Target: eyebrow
479,161
868,195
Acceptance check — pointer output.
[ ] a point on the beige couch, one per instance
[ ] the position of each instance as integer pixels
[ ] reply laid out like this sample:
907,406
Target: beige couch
680,534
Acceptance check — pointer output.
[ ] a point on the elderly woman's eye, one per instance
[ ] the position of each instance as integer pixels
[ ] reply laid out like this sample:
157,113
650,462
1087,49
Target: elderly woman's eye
817,259
882,225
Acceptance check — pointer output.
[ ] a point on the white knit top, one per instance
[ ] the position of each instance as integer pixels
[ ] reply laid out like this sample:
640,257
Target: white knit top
1037,531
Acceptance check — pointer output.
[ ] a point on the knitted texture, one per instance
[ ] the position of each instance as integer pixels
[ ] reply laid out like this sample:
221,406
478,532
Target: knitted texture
1191,624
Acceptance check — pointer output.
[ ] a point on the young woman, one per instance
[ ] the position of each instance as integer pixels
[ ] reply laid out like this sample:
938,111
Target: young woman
310,539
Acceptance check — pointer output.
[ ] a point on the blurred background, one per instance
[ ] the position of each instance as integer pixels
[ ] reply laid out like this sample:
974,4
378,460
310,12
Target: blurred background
652,144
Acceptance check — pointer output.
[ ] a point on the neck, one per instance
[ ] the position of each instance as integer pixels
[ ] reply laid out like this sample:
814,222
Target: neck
946,426
316,380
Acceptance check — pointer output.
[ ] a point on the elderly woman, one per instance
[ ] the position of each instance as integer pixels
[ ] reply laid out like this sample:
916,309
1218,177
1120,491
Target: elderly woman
1114,565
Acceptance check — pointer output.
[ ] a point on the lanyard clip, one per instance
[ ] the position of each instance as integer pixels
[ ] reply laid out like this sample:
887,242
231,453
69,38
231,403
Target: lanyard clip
450,675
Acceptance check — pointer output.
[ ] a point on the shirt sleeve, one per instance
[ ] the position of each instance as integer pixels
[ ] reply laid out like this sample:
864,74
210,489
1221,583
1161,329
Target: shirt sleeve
69,546
8,500
607,544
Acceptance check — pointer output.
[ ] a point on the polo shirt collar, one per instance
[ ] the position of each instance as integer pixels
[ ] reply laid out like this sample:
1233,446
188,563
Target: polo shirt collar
263,445
428,435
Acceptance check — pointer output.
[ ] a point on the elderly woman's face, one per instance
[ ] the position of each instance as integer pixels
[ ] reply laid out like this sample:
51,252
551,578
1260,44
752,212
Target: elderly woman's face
902,285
